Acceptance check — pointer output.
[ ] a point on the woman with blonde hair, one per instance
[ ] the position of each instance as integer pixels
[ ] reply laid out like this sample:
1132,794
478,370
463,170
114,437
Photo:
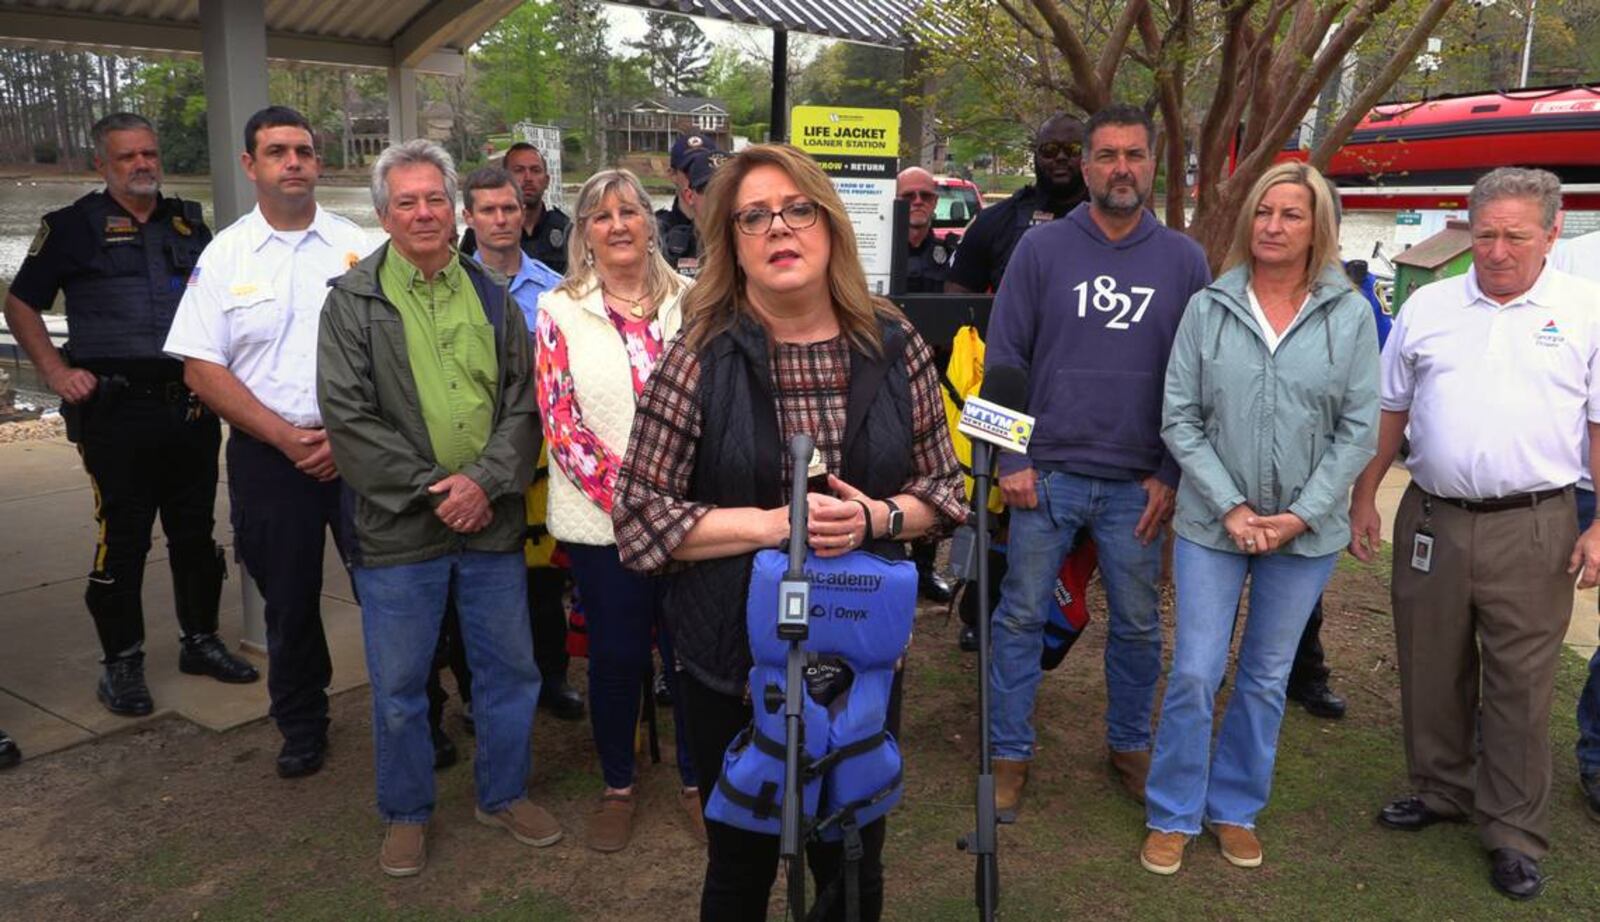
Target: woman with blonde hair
1271,411
598,337
781,337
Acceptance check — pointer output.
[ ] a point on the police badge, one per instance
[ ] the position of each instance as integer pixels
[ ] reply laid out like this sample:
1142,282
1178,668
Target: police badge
558,236
940,254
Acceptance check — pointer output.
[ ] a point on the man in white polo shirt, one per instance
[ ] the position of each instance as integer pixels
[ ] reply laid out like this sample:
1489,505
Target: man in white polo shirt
247,332
1497,374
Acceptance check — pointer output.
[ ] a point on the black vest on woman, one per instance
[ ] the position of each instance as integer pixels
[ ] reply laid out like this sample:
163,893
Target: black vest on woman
739,462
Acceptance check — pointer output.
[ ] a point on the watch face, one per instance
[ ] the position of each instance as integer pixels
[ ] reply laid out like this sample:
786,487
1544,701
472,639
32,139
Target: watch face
896,521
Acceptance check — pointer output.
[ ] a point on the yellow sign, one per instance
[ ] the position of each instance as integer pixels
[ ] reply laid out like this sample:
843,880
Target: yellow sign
845,132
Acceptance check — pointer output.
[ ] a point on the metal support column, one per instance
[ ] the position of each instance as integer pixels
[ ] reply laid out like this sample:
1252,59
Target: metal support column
779,131
233,42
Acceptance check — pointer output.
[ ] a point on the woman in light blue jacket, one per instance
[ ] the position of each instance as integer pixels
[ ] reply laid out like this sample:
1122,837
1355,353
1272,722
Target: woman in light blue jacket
1271,411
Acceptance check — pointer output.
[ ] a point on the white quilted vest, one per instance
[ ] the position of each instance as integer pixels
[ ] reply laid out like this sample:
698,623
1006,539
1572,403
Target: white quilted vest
603,386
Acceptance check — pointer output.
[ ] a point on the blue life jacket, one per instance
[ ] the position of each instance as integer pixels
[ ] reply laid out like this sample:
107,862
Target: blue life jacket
861,612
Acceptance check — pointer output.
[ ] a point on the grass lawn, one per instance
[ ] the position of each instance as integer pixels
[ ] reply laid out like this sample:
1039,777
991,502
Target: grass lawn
173,822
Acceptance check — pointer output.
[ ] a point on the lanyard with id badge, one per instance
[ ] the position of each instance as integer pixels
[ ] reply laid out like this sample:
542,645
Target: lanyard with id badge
1422,540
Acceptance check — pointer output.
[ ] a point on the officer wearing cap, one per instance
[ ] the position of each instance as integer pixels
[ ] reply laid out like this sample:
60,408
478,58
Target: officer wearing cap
928,261
680,242
980,259
544,227
148,444
667,218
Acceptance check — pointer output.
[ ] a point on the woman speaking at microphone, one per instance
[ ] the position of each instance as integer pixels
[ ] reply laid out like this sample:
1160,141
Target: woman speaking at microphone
781,337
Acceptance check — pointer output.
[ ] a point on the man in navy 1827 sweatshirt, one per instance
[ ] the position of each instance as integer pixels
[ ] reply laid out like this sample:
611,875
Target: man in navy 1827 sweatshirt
1088,309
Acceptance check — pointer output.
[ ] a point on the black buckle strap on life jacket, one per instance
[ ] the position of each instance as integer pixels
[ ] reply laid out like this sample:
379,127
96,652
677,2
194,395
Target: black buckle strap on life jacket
534,532
849,751
850,873
771,747
763,804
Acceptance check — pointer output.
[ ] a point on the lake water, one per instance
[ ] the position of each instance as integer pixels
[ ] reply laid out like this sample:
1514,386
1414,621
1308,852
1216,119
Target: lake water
22,203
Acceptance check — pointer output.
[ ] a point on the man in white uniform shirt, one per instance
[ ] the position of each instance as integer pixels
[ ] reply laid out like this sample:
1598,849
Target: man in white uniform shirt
1497,373
247,332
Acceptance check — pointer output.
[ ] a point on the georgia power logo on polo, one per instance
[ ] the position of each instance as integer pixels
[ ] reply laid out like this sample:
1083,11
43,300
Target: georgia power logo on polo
1550,335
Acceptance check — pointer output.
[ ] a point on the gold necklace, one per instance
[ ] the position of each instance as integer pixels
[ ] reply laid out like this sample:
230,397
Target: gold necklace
634,304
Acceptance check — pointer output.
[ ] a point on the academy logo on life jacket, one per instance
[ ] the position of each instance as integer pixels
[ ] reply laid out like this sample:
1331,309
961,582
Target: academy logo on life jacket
849,582
1550,334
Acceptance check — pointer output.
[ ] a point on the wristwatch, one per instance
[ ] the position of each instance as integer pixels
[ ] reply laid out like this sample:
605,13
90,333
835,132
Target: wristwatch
897,519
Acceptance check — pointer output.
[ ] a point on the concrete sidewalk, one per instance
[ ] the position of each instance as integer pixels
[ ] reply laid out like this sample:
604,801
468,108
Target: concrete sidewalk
49,660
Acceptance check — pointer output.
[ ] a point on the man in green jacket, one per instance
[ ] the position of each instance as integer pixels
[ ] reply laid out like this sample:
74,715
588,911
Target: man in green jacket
424,380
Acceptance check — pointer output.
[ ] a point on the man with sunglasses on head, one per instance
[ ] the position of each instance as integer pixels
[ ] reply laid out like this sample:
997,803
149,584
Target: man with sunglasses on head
980,260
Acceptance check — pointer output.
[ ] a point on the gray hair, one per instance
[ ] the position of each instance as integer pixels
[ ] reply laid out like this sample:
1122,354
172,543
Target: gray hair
1542,186
419,151
118,121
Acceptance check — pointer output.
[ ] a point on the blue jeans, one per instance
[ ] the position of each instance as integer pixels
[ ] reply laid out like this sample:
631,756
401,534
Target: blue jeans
401,608
1589,700
1189,780
1038,542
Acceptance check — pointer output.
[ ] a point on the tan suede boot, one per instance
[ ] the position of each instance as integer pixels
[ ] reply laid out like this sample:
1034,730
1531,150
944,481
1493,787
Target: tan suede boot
1010,777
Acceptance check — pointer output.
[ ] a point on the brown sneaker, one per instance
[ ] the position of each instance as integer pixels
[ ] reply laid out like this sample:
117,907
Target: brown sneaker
1010,777
1131,768
611,823
527,822
1163,852
1239,844
405,849
691,806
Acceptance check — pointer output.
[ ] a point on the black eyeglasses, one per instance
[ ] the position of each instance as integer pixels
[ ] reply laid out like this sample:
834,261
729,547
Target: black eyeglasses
796,216
1053,149
920,195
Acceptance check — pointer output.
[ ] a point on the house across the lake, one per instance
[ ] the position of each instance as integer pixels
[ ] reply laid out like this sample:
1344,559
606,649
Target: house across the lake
650,125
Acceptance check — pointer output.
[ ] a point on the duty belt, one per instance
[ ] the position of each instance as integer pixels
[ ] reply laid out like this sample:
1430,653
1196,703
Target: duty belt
164,391
1502,503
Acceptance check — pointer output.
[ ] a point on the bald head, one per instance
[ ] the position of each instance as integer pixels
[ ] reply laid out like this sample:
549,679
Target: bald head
917,187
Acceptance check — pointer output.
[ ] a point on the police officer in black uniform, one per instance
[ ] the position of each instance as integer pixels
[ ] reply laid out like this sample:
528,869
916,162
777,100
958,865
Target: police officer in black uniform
981,257
929,261
544,228
122,256
680,240
669,218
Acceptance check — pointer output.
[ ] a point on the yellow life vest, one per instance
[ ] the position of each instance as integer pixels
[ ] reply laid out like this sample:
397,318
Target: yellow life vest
539,543
964,375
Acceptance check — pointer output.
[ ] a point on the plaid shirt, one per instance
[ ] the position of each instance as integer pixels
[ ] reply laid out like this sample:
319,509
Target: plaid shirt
812,381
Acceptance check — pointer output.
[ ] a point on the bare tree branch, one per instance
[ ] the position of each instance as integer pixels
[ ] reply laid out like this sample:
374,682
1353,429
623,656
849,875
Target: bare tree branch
1022,21
1091,93
1404,56
1106,69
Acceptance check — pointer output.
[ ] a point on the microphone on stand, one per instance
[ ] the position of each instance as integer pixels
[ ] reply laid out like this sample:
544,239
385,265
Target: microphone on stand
794,592
991,421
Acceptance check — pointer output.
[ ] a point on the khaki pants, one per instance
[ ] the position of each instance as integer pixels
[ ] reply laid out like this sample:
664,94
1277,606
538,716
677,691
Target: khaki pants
1478,638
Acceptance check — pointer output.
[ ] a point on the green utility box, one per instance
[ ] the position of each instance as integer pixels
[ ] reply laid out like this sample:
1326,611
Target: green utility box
1447,253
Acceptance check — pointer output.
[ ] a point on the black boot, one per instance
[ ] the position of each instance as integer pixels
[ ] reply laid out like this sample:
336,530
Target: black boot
1318,699
10,755
122,689
931,584
205,654
561,700
444,750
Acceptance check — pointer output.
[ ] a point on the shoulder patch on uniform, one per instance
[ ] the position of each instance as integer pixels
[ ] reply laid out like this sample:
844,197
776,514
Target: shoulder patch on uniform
39,238
558,236
350,259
